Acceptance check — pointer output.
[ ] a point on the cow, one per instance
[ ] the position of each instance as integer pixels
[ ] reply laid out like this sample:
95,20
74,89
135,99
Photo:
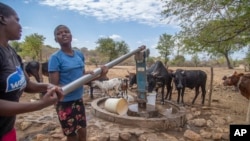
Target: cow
241,81
235,87
157,77
32,69
191,79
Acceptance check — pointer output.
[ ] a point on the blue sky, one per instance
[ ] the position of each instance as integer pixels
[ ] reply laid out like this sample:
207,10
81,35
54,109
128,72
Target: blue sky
137,22
134,21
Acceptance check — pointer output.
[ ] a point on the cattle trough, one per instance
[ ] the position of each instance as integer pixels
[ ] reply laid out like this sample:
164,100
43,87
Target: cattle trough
160,117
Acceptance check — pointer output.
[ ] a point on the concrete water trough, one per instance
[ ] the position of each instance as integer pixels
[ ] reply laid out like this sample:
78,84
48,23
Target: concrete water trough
167,116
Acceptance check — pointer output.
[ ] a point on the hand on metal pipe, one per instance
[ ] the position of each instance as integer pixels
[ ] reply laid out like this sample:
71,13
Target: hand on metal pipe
104,70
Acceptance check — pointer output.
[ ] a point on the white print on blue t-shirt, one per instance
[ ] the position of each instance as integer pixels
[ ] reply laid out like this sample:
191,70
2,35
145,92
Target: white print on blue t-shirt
16,80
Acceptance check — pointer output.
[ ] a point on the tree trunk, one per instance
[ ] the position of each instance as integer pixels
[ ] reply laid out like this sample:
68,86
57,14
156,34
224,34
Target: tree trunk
165,63
228,62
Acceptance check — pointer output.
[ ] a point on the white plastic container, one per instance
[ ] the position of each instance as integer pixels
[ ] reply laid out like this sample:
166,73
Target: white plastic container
116,105
151,98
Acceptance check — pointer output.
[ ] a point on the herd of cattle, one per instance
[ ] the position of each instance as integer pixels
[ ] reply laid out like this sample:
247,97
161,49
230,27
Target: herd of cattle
158,78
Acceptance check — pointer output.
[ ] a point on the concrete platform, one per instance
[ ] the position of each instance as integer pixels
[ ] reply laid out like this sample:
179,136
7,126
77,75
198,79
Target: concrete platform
177,118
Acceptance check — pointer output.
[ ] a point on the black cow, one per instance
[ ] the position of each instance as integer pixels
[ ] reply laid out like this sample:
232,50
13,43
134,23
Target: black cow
157,77
160,78
32,69
191,79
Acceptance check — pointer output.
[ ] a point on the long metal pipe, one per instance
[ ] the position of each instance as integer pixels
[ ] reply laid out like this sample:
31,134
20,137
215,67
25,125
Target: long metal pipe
86,78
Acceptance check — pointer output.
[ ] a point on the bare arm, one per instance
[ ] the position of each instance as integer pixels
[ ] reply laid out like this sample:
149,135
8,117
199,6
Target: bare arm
54,78
34,87
103,73
10,108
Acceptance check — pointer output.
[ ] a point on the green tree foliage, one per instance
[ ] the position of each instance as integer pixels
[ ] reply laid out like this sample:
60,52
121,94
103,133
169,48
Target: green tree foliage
217,27
165,46
247,58
96,58
32,46
195,59
111,48
16,45
233,15
178,60
150,61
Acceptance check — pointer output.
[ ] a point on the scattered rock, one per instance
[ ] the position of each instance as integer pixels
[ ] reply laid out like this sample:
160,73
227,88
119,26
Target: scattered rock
192,135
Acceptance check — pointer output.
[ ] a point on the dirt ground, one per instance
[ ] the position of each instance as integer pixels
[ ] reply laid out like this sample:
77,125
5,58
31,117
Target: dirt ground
224,99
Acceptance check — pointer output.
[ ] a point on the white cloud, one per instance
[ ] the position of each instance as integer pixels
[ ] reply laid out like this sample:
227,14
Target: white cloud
115,37
142,11
27,27
74,39
27,1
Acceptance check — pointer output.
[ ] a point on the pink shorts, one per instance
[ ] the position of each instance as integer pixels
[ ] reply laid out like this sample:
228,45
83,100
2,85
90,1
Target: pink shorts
10,136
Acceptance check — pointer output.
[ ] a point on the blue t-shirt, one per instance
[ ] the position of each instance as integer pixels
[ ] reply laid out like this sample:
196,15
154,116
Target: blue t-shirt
70,68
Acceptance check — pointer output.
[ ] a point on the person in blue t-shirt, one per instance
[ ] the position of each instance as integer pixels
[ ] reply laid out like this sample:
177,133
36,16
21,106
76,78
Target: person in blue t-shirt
13,79
65,66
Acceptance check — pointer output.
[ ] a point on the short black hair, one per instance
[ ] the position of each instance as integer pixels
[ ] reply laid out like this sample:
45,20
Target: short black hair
6,10
57,27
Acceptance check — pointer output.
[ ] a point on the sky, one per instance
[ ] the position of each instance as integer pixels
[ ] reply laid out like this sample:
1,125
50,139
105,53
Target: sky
136,22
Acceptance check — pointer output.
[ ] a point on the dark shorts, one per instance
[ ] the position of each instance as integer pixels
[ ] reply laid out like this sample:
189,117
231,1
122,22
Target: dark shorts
71,116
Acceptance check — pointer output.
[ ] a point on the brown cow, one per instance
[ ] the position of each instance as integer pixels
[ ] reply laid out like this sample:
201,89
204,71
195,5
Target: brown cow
242,82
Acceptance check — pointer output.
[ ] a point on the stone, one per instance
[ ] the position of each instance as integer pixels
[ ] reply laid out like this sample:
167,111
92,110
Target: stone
216,136
114,137
210,123
192,135
125,136
199,122
25,124
42,137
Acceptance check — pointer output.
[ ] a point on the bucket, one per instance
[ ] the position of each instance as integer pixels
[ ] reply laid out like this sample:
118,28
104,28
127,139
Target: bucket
151,98
116,105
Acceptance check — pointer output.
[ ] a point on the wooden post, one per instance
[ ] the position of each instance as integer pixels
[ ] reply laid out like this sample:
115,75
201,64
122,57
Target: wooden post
40,66
211,87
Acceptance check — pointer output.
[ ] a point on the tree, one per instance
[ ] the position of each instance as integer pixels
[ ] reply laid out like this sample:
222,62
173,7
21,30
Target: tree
195,59
165,46
198,43
16,45
247,58
178,60
233,16
32,46
216,27
111,49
